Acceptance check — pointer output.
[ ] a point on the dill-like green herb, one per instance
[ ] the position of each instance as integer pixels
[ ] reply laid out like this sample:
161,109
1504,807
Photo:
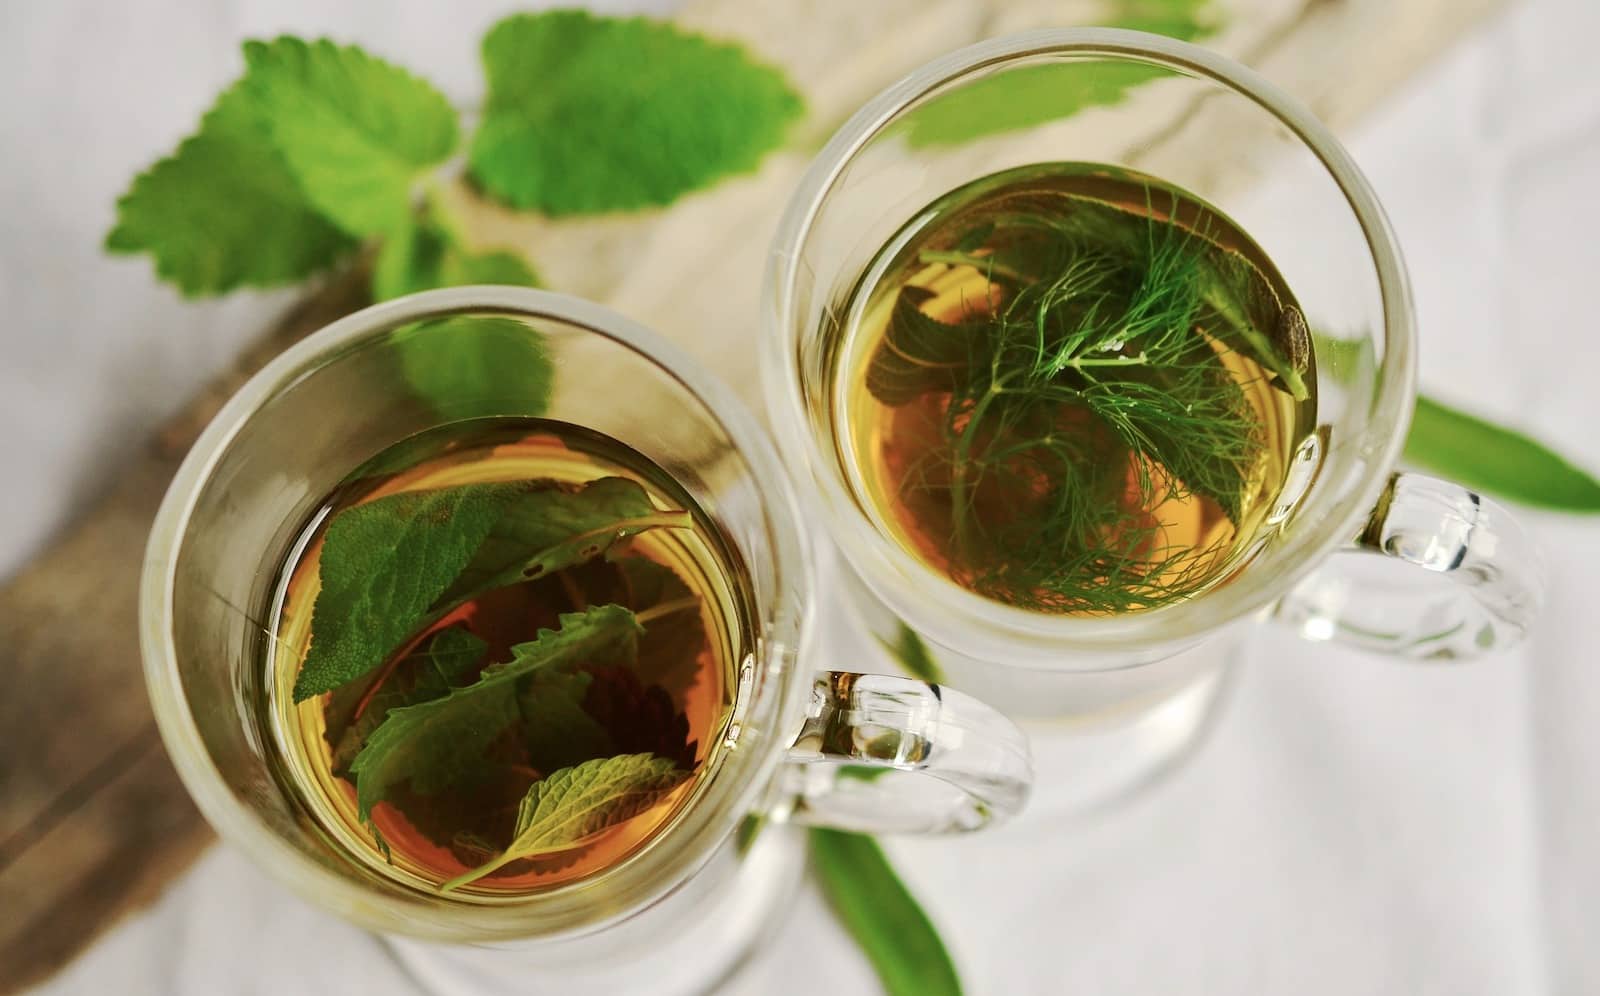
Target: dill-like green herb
1086,389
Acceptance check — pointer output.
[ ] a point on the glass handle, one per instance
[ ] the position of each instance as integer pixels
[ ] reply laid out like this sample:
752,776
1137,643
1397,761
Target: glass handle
884,754
1487,593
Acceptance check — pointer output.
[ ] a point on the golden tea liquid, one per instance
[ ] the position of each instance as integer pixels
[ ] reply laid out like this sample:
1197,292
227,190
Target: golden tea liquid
672,702
1072,389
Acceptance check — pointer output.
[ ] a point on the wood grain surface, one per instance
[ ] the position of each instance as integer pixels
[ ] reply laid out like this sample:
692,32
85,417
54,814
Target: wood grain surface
93,820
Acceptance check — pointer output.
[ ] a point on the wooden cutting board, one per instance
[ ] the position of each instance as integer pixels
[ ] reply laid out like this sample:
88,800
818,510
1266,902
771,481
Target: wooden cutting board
93,820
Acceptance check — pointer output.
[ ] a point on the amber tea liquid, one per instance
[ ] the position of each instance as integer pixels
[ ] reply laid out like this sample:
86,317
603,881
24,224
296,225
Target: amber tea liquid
679,711
1047,501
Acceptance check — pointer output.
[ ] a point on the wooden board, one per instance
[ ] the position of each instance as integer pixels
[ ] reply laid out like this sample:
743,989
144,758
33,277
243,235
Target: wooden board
93,821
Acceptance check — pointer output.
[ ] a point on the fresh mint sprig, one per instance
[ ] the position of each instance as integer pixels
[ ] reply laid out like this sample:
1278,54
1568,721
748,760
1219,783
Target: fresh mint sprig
319,149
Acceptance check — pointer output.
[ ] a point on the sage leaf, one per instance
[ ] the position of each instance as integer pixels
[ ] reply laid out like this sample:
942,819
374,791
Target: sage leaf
545,530
383,564
882,915
1499,461
913,655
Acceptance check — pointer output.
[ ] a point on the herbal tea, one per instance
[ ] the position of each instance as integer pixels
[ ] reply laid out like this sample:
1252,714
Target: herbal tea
504,655
1072,389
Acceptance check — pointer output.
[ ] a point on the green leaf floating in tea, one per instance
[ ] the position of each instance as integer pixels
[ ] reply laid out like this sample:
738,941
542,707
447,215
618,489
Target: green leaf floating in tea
392,566
574,805
445,741
1072,362
444,713
445,659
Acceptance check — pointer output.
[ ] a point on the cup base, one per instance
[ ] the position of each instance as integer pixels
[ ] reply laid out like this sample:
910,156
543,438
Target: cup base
1087,771
711,935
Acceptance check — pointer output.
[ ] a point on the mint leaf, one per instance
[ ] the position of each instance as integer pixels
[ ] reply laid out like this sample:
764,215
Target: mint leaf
669,651
383,565
883,917
575,804
468,366
224,210
1500,461
556,729
442,742
558,526
394,566
1032,95
439,663
589,114
357,132
422,254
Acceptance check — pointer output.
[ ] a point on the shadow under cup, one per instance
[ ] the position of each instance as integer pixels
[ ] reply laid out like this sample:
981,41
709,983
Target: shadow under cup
331,403
1182,115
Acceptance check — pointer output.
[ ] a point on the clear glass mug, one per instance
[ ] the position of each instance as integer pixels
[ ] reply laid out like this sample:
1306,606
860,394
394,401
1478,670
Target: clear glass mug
683,908
1356,552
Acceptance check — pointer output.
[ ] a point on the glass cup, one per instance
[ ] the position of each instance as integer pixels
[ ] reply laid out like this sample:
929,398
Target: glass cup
1354,551
684,907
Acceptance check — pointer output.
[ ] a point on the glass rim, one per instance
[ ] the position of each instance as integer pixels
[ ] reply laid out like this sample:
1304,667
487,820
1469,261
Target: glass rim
652,870
979,619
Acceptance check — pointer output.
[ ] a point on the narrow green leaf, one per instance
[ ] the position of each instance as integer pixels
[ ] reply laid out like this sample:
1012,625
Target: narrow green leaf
914,656
575,804
356,131
442,742
883,917
1034,94
224,210
1496,460
589,114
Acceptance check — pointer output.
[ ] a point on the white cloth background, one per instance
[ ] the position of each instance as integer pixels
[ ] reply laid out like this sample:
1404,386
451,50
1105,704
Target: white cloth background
1352,826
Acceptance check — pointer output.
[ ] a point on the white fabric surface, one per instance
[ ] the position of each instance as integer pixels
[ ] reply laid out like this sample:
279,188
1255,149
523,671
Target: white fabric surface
1352,826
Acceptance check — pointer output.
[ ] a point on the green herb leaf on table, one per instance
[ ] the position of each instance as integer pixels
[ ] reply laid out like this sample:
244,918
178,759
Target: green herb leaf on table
423,254
393,566
470,366
913,655
574,805
1500,461
356,131
588,114
882,915
1033,95
442,742
224,210
442,661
